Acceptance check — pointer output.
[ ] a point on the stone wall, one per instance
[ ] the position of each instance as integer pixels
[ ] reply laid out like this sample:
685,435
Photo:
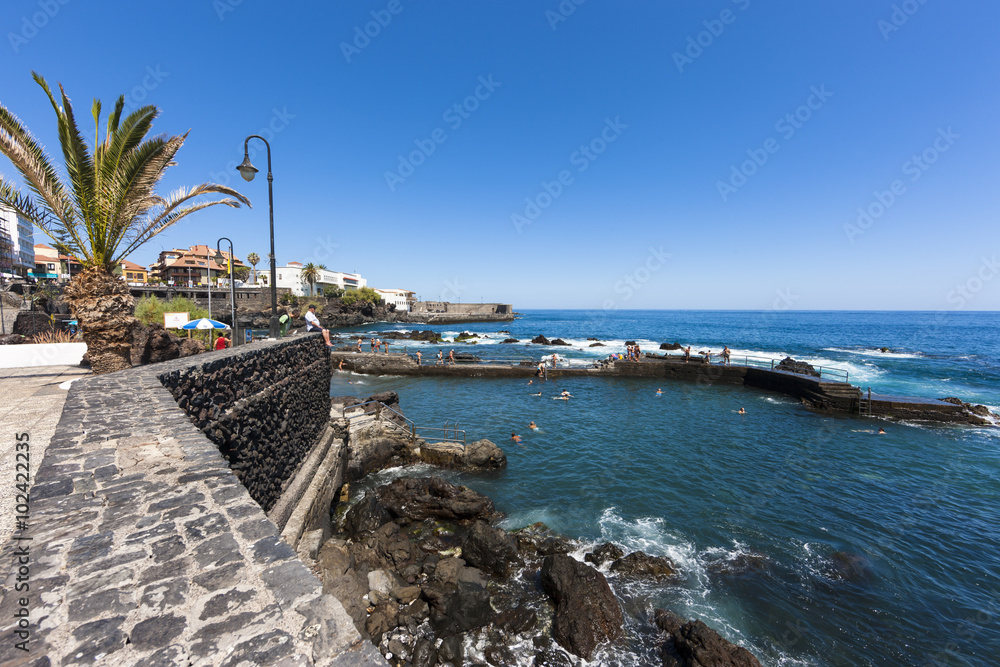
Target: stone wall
142,545
264,407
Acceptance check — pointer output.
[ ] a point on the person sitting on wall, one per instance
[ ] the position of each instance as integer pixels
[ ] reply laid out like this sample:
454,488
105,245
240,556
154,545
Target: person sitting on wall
312,324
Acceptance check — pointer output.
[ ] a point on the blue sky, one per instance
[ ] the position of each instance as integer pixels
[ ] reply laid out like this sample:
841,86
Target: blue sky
564,155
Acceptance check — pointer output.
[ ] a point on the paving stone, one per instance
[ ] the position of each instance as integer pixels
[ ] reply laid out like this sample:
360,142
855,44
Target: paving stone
159,530
243,511
189,498
108,564
184,511
264,649
227,494
206,640
105,472
97,640
217,551
117,578
223,603
90,548
198,476
174,655
62,487
271,549
174,568
100,604
290,580
84,484
164,594
221,577
157,632
147,521
205,526
255,529
167,549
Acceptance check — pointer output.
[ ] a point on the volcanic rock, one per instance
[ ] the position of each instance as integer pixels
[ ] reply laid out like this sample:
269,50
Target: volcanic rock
638,564
510,340
433,498
694,644
789,365
540,340
365,516
587,613
671,346
604,553
560,341
490,549
596,345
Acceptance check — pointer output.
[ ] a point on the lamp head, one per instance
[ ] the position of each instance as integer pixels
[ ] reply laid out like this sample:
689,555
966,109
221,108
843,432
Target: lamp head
247,170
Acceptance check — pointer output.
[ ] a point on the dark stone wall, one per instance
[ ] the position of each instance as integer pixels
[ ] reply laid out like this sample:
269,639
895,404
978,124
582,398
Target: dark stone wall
263,405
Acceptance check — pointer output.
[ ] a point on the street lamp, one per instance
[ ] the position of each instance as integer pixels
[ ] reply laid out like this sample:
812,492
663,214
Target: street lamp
248,171
232,284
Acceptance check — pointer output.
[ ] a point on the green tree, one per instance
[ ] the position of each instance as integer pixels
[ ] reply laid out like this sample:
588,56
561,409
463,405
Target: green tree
253,258
104,208
310,274
363,295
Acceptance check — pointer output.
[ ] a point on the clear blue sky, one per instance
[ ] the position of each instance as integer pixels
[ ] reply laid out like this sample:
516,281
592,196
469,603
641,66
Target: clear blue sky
676,117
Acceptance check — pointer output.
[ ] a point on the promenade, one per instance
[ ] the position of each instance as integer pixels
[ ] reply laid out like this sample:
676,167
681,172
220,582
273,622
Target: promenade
32,403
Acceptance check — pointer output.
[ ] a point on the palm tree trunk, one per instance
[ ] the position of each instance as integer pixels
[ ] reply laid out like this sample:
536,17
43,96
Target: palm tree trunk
103,306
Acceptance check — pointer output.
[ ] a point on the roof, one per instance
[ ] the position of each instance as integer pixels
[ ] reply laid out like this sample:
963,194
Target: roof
132,266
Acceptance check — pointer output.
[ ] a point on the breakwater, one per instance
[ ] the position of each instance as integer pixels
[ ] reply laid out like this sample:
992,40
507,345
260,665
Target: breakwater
817,392
144,544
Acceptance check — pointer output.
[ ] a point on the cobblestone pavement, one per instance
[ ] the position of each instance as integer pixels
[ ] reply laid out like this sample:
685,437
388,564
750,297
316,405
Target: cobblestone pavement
31,402
146,549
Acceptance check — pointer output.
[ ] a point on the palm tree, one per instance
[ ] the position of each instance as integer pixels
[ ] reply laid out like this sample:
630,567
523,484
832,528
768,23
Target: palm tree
253,258
102,209
310,274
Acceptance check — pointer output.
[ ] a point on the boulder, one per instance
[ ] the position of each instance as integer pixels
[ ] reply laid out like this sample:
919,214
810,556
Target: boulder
630,342
592,338
604,553
789,365
539,540
671,346
517,620
433,498
190,347
694,644
587,613
484,455
540,340
29,322
596,345
847,566
559,341
490,549
365,516
640,565
458,598
510,340
741,563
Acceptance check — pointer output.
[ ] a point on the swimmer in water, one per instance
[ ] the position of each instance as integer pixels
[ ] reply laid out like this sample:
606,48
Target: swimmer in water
741,412
538,394
881,431
516,438
531,381
659,392
533,426
566,394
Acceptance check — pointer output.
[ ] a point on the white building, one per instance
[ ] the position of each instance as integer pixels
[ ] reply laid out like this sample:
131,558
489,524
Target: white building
401,297
19,257
290,276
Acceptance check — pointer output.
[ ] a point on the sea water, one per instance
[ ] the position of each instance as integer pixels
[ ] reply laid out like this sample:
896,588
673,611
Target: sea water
844,547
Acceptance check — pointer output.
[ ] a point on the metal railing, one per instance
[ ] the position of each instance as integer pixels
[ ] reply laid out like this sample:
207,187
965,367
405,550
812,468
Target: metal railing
429,360
825,372
408,427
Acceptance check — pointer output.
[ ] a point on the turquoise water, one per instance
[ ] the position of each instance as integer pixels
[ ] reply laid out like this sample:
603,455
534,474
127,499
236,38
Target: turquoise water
870,549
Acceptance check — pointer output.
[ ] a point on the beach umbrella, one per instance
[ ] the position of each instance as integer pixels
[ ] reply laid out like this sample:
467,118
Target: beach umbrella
205,323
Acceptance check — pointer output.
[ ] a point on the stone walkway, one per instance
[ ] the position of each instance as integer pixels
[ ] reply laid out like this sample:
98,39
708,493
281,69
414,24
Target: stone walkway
31,402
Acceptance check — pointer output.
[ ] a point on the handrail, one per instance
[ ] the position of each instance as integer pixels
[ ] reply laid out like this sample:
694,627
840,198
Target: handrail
445,432
381,407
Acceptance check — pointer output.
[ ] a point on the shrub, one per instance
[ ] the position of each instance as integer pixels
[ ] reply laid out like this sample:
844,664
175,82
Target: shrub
150,309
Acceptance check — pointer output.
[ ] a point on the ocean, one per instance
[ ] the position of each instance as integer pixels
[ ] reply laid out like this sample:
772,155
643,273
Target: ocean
803,536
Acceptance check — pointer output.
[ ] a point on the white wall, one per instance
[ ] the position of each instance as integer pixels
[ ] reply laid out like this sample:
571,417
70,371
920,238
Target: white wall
48,354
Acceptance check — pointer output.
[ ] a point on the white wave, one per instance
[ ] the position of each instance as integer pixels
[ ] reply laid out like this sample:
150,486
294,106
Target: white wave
875,352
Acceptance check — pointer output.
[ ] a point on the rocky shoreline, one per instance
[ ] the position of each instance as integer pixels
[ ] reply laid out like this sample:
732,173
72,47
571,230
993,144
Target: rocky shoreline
430,577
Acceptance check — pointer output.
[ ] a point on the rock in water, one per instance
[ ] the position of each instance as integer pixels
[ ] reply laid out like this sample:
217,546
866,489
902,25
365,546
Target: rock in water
604,553
433,498
540,340
671,346
694,644
484,455
587,612
490,549
365,516
789,365
559,341
638,564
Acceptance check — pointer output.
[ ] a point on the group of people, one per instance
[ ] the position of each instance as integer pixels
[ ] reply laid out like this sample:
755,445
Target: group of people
725,354
377,345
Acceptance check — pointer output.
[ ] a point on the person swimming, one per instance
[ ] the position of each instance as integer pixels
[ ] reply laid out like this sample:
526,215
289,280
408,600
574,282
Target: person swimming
566,394
516,438
659,392
538,394
741,411
533,426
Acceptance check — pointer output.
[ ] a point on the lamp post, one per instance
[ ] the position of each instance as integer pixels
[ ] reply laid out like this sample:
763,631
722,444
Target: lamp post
232,284
208,265
248,171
